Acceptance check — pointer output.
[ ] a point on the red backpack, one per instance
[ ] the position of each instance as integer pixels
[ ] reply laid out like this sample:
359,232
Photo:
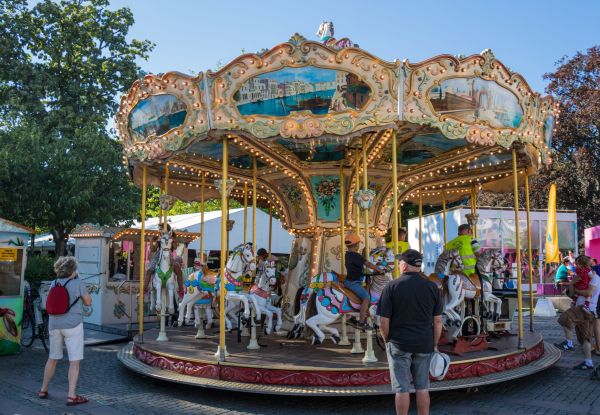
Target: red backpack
58,301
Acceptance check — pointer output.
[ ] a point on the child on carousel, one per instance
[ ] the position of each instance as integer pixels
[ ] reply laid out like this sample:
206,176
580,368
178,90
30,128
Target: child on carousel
354,267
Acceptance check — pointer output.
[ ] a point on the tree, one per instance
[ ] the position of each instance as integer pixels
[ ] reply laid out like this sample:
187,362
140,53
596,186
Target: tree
62,66
575,169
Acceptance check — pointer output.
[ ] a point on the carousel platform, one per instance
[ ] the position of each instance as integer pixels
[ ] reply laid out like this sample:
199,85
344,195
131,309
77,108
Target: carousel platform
295,367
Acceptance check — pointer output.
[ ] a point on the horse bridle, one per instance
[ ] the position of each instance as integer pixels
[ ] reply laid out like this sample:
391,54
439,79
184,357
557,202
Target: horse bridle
245,262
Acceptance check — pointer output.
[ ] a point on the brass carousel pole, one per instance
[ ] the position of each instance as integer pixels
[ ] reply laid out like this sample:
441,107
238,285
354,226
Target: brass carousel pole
166,211
395,222
355,203
202,184
518,248
270,229
420,222
344,338
365,187
369,356
162,333
529,254
444,216
254,197
474,209
222,350
142,259
342,218
245,211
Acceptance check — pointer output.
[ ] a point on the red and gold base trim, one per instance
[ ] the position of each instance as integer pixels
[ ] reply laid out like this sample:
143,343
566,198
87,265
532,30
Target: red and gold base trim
299,376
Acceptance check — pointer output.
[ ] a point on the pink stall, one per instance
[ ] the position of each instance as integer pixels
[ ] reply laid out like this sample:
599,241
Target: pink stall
592,242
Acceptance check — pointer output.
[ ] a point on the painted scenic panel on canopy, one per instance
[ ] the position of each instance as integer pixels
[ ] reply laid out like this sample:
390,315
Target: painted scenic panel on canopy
318,90
475,99
295,199
318,150
214,151
327,193
156,115
424,147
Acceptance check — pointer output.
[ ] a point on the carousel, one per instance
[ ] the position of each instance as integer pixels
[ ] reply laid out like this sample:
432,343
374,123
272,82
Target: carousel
331,140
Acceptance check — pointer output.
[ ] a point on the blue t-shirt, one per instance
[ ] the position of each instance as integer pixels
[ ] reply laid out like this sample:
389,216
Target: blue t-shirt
562,274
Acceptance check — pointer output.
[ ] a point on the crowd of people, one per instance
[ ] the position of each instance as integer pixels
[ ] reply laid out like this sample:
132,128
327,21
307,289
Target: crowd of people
410,311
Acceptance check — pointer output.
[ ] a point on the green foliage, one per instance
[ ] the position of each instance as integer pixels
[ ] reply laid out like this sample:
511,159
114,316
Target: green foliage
62,66
180,207
39,268
575,166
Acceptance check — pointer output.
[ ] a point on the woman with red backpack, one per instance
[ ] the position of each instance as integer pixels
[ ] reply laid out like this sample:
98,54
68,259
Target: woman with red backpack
64,305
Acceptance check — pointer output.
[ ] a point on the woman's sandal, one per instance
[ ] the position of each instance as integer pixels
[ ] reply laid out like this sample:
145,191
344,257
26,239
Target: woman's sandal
76,400
43,394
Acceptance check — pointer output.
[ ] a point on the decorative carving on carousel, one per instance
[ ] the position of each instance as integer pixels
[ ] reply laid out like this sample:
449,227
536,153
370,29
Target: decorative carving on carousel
160,114
291,376
476,98
301,89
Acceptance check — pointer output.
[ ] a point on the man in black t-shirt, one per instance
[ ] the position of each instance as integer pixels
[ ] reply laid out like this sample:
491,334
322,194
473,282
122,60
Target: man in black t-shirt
411,325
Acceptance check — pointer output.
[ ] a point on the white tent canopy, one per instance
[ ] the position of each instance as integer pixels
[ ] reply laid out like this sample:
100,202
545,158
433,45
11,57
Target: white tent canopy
281,239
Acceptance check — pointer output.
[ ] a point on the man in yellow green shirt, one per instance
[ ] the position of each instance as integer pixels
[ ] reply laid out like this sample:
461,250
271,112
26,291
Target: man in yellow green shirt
467,247
402,244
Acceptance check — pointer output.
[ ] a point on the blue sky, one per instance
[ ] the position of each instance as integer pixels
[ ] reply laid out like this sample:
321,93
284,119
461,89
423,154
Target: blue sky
529,36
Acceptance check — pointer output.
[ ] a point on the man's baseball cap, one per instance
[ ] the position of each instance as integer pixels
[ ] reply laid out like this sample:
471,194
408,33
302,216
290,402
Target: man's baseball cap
411,257
352,239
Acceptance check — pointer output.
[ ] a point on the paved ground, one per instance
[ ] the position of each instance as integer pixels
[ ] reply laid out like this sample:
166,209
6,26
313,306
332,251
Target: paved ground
114,390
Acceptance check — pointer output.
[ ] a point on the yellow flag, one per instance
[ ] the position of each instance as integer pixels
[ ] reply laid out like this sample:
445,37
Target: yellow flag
552,252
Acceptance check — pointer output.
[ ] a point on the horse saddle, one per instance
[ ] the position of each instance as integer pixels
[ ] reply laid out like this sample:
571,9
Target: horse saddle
475,283
210,277
352,297
436,280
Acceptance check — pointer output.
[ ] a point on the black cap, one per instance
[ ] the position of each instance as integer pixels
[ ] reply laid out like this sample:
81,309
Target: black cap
411,257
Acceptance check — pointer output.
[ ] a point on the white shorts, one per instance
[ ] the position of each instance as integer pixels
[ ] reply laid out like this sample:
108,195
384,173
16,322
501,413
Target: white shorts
72,338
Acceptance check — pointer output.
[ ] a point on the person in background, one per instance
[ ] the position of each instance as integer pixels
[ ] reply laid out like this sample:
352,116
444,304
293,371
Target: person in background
354,267
410,308
583,323
261,256
571,258
562,273
595,266
67,329
467,247
581,281
402,244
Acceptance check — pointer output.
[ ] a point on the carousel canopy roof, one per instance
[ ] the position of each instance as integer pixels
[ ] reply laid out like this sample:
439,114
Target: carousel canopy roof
303,109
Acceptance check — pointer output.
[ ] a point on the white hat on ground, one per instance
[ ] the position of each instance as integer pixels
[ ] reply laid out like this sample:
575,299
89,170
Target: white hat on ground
440,363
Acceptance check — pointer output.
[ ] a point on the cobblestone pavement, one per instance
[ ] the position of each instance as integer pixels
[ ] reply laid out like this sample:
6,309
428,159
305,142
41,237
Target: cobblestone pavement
114,390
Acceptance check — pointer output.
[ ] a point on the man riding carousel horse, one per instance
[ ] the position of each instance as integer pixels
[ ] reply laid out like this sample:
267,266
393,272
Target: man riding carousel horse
467,247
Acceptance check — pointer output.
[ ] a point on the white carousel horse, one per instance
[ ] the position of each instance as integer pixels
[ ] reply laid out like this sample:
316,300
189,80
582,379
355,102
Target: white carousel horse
240,262
260,293
490,264
458,287
330,299
325,33
450,278
198,287
164,276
